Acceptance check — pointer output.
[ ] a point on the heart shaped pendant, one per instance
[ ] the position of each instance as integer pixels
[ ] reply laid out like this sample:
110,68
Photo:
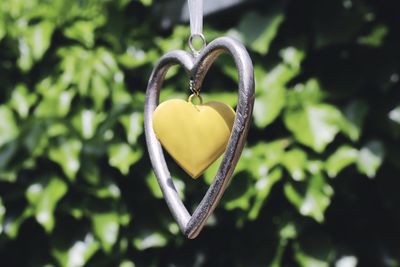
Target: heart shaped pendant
194,135
197,67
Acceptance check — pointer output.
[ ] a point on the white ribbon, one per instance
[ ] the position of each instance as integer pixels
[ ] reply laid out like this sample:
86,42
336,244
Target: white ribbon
196,17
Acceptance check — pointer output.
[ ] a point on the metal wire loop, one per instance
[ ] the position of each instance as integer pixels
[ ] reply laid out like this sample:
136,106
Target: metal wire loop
190,99
195,51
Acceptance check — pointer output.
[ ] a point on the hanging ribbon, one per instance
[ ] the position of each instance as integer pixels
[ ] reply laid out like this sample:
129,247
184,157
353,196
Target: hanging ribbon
196,16
196,24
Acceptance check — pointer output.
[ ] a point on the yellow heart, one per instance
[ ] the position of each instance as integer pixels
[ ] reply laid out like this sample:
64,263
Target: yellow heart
194,135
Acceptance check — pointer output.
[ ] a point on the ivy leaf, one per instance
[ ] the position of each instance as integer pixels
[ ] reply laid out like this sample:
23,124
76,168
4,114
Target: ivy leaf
106,228
287,231
262,189
258,31
259,162
133,125
271,99
43,197
262,157
314,125
303,95
147,240
314,250
376,37
87,121
55,102
22,100
292,58
153,185
310,198
82,31
67,156
340,159
33,43
271,87
243,193
295,162
78,254
370,158
122,156
8,126
109,190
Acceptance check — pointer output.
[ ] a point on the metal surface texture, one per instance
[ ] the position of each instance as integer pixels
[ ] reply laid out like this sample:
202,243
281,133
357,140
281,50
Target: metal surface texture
197,68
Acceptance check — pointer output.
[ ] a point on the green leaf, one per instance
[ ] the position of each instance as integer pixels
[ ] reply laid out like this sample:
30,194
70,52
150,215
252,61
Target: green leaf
8,126
340,159
271,99
106,228
262,189
295,162
259,162
133,125
135,57
86,122
292,57
147,240
370,158
122,156
22,100
314,254
310,198
271,87
33,43
55,102
242,200
78,254
305,94
109,190
67,156
153,185
93,72
262,157
258,31
287,231
314,125
355,114
82,31
376,37
43,197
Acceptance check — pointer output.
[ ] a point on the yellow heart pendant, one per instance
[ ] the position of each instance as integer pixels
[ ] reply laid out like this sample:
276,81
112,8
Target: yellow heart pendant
194,135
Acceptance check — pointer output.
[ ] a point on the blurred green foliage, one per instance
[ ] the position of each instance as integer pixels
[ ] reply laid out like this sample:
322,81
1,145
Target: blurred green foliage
317,184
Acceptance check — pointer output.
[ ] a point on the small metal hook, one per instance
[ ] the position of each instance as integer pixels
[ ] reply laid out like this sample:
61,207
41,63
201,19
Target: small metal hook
195,51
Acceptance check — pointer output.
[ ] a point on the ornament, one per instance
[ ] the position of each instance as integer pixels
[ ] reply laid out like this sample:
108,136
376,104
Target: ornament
195,135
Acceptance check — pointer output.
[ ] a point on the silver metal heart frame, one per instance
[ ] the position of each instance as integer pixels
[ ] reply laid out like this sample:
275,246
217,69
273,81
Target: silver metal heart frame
197,68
